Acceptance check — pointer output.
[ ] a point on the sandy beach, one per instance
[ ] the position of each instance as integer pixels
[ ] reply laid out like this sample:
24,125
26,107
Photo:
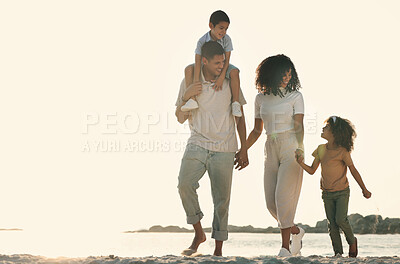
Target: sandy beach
206,259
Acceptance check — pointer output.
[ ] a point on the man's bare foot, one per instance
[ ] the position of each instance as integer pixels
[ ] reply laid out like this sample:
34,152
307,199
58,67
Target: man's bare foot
197,240
199,237
218,248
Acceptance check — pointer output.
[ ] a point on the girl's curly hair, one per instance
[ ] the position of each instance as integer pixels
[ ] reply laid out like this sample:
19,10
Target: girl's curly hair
270,73
343,131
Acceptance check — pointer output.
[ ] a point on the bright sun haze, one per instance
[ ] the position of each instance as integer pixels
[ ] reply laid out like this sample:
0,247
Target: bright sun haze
90,141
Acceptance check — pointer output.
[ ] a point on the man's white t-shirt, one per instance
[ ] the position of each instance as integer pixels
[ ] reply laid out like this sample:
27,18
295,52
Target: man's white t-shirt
212,125
277,112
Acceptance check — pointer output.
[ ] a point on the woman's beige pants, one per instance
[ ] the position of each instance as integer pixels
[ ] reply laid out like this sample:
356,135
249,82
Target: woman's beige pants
283,177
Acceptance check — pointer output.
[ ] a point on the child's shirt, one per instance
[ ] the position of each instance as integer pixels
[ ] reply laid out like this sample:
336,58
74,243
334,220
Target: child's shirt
225,42
334,163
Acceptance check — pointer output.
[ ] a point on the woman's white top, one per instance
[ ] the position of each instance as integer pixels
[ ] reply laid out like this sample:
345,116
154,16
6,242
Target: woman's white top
277,112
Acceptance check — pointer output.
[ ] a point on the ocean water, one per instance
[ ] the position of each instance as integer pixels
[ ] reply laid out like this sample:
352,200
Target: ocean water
58,244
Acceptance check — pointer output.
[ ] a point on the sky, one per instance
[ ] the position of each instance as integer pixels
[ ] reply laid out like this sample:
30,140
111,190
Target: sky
89,140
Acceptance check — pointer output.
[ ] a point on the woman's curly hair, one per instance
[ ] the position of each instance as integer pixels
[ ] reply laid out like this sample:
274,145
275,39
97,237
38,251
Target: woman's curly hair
270,73
343,131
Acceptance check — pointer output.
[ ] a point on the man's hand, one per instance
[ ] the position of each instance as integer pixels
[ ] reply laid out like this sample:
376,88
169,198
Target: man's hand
193,90
218,83
182,116
241,159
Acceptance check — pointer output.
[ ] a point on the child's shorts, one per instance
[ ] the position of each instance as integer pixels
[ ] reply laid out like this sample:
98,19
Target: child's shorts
228,71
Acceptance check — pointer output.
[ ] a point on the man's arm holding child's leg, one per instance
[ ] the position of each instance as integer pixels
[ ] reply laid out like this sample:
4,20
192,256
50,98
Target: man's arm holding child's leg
193,90
181,116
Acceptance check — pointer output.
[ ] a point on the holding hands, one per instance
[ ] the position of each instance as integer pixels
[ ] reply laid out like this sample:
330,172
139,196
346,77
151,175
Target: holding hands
241,159
299,155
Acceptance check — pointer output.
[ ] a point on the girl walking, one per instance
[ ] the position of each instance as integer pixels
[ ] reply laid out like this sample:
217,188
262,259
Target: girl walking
335,158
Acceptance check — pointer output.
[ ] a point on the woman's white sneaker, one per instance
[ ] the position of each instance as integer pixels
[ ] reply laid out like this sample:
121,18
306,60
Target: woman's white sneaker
284,253
296,242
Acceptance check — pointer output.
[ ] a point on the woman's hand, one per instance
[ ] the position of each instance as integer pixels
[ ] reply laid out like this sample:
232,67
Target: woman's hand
299,154
299,159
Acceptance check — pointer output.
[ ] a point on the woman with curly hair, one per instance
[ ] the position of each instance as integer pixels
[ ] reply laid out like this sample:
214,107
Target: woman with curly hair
334,157
279,107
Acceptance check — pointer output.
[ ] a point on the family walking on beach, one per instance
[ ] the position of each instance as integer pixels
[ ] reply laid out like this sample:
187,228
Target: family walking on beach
210,98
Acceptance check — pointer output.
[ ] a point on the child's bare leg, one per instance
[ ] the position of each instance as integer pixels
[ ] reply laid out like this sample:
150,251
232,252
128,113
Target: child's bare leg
189,79
189,75
235,86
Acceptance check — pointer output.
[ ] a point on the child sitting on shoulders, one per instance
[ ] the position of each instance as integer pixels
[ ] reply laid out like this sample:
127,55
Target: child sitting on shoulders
334,157
219,23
